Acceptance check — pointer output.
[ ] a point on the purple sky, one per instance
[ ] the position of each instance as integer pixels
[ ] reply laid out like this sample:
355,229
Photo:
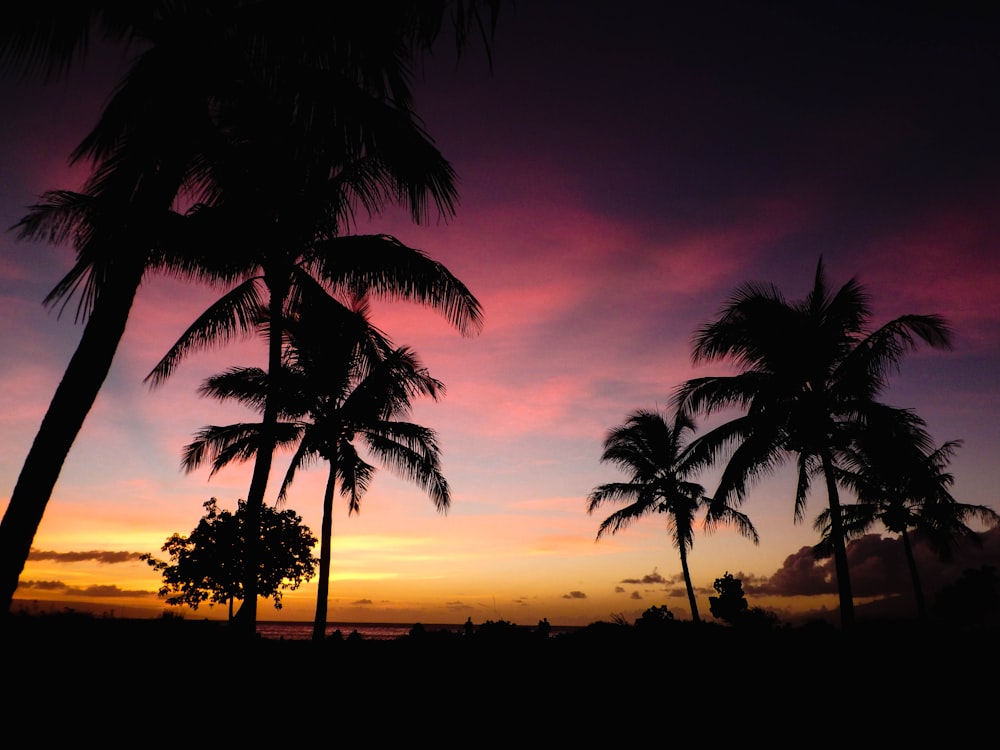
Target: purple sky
621,172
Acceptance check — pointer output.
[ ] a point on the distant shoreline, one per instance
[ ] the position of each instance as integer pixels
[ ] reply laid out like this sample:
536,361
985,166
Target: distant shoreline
33,607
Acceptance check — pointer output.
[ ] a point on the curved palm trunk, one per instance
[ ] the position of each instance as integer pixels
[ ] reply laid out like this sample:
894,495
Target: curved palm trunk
67,411
246,617
325,554
839,548
911,562
690,589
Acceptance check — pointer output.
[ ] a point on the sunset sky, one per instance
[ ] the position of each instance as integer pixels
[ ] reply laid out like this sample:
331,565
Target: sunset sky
624,168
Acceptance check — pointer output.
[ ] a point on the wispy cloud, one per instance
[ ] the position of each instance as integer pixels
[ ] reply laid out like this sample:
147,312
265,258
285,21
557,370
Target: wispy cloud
59,587
100,556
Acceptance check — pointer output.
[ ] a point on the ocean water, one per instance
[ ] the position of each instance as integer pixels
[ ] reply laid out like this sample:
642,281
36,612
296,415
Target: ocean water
302,631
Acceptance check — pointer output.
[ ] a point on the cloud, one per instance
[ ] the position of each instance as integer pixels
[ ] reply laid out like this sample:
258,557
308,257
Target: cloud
878,568
619,589
653,577
575,595
100,556
87,591
362,601
635,595
43,585
800,575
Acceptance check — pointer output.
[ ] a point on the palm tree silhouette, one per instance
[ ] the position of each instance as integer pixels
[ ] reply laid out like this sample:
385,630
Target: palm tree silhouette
303,274
286,195
340,385
176,112
904,486
809,374
651,448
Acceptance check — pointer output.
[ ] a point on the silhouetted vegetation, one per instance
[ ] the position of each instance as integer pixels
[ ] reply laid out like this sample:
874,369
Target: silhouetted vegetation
651,448
343,386
83,665
902,482
208,564
808,380
731,606
971,600
277,134
276,123
731,603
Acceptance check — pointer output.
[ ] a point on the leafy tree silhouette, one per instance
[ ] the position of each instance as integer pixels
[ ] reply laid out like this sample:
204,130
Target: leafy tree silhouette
731,602
208,564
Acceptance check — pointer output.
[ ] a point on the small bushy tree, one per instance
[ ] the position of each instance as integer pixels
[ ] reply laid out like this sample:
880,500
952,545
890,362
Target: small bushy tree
208,565
731,602
654,617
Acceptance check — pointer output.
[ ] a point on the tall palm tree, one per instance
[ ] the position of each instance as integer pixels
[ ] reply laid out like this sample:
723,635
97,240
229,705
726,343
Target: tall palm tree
114,225
287,192
339,389
150,146
298,268
652,449
905,487
809,376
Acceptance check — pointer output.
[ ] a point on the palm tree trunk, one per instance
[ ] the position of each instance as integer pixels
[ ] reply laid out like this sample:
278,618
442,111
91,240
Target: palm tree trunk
72,401
325,554
839,548
918,591
690,589
246,617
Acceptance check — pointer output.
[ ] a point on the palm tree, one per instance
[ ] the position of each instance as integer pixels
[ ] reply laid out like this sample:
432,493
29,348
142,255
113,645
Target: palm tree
114,224
287,194
297,268
809,375
339,389
904,486
652,449
151,144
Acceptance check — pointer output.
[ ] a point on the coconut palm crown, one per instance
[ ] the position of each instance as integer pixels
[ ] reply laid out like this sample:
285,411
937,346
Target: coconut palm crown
651,448
809,374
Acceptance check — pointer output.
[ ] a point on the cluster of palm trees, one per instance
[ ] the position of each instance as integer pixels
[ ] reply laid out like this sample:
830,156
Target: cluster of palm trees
807,382
238,148
241,144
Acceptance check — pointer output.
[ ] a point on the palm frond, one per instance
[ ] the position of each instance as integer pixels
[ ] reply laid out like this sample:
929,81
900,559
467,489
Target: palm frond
730,516
235,443
238,311
623,518
617,492
382,266
867,367
246,385
412,453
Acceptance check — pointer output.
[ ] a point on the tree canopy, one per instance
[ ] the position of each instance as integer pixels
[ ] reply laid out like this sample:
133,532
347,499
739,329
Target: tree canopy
208,565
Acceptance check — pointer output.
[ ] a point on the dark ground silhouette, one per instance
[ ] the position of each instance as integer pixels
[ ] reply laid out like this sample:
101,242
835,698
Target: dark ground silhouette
891,680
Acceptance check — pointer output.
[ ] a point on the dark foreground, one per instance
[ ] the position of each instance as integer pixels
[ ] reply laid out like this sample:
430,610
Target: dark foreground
135,683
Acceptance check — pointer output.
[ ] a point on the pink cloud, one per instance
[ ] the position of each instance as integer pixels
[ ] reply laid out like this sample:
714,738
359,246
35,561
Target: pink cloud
878,568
